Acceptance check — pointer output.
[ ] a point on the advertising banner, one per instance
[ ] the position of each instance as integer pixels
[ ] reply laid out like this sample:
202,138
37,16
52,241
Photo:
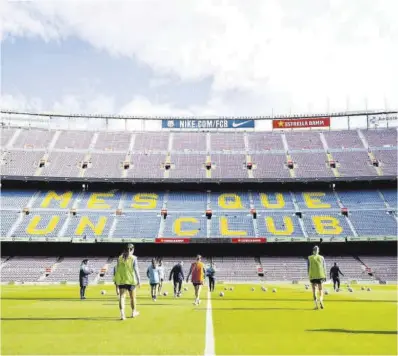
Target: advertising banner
333,239
207,124
81,240
164,240
300,123
36,239
131,240
279,239
14,239
249,240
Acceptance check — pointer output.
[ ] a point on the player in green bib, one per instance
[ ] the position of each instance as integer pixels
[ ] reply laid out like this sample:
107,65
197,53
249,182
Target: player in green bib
317,274
127,278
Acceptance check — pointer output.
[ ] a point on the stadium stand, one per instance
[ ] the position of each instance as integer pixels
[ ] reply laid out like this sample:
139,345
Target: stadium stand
233,269
380,138
63,164
26,269
113,141
146,154
183,142
270,166
20,163
304,141
265,141
312,164
147,166
384,268
293,214
343,140
188,166
354,163
388,161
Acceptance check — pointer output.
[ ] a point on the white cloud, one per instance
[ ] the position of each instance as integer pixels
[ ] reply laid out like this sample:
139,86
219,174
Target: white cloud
283,54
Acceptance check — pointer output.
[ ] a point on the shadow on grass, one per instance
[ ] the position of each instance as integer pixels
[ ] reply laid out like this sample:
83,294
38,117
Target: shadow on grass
104,318
77,299
346,331
214,298
257,309
116,303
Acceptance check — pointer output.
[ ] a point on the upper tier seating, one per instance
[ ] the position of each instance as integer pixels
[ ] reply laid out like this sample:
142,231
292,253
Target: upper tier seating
183,155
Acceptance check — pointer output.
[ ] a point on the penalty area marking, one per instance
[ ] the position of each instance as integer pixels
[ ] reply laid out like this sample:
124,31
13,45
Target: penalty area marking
209,342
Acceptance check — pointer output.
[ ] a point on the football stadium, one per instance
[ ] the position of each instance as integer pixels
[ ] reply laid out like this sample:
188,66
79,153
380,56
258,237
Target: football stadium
252,195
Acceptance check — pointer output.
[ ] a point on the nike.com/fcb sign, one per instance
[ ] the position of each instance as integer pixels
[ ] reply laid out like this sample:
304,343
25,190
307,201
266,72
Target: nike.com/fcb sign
207,124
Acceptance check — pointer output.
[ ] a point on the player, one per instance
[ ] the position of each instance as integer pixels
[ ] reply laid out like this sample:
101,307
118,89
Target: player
127,278
177,274
211,274
161,276
198,276
317,275
154,278
334,275
83,277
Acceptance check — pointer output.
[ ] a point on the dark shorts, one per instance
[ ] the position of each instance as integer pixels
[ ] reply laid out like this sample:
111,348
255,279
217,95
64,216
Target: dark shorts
336,278
128,287
161,280
197,283
153,284
318,281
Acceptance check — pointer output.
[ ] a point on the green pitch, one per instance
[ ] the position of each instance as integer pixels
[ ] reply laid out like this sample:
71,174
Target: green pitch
51,320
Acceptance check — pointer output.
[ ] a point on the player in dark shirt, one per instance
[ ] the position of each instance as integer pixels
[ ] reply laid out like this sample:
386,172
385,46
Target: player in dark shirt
334,274
177,274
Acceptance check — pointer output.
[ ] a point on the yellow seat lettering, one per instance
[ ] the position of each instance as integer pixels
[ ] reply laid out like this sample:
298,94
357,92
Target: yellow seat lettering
287,221
180,231
230,201
145,201
33,230
64,199
225,231
279,204
312,201
327,225
85,222
95,201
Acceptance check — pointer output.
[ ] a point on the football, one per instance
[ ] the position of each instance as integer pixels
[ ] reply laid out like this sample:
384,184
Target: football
165,294
221,294
274,290
103,292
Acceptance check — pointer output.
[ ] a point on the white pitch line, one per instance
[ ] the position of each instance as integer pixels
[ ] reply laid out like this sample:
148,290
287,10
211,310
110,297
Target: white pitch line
209,343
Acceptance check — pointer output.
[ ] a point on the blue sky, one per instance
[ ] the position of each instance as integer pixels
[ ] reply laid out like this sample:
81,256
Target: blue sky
199,58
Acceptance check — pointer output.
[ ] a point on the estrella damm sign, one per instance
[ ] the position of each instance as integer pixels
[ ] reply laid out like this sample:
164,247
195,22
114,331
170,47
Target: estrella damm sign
207,124
300,123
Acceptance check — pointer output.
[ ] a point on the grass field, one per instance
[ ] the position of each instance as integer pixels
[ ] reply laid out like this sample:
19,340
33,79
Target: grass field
51,320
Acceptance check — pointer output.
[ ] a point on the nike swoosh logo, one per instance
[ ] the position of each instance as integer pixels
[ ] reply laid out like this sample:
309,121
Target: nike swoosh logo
234,124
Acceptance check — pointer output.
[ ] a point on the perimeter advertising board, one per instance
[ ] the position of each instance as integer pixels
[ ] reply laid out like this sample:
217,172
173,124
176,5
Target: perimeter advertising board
301,123
207,124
